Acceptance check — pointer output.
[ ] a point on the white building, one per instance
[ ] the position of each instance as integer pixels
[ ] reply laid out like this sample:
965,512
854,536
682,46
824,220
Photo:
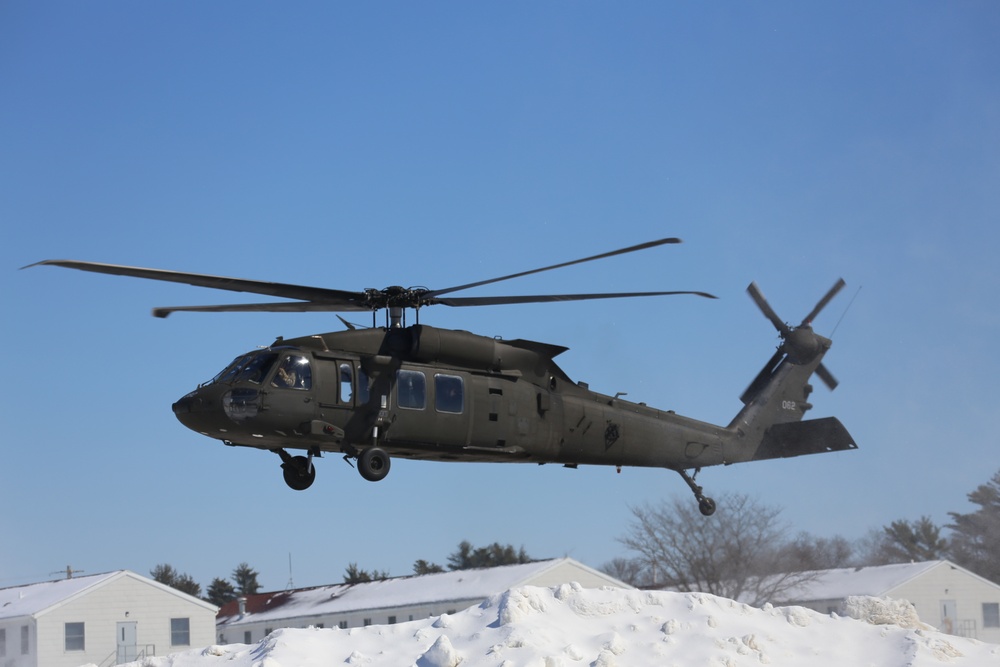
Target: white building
946,596
395,600
104,619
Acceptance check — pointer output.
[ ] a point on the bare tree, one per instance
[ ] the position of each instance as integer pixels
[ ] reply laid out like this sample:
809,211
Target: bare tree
808,552
632,571
737,553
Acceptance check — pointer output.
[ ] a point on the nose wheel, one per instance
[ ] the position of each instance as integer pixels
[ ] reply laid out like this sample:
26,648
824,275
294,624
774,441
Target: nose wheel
705,504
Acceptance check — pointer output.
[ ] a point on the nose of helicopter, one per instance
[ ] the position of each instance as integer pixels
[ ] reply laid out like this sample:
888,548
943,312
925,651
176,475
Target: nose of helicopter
195,411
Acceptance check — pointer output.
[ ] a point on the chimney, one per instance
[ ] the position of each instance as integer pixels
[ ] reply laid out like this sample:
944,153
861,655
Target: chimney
243,606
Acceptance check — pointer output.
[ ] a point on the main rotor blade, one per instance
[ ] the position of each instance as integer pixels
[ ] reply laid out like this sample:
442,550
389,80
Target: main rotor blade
276,307
641,246
547,298
825,300
340,298
765,307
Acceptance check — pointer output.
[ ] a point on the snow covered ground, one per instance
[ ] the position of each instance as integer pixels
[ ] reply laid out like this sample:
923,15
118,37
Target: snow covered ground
569,625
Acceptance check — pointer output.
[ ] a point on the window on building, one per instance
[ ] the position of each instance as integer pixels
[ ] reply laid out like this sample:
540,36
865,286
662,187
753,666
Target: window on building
392,620
268,631
320,625
3,642
342,625
991,614
180,632
367,622
74,637
25,643
246,637
449,393
411,390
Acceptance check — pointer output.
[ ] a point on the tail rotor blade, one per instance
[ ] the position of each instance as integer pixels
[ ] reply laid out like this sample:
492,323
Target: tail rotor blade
827,377
825,300
765,308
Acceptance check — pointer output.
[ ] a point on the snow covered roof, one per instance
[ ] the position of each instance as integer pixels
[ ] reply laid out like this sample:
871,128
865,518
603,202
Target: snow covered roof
875,581
32,599
458,586
36,599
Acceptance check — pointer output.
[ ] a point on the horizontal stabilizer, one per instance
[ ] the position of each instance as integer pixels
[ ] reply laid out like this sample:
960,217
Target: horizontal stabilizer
814,436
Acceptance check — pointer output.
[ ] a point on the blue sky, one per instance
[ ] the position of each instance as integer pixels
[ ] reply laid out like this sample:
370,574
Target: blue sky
373,144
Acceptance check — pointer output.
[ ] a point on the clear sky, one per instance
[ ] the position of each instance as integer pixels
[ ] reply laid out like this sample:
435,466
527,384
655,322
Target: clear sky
355,145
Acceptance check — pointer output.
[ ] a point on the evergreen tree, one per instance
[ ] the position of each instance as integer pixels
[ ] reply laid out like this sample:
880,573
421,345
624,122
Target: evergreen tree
975,537
915,541
245,578
355,575
220,592
423,567
167,575
467,557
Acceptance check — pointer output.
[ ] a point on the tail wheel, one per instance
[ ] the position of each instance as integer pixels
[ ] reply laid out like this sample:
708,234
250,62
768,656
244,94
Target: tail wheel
373,464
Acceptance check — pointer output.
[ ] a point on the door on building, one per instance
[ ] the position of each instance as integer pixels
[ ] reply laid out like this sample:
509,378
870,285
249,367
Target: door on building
949,617
127,651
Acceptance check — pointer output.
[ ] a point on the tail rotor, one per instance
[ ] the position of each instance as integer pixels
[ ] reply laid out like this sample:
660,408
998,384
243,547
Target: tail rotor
800,344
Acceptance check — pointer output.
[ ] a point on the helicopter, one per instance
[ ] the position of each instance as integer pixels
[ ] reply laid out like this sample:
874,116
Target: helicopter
418,392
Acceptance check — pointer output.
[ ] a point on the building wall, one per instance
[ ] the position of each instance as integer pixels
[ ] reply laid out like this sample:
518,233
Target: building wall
569,571
11,654
968,593
126,599
355,619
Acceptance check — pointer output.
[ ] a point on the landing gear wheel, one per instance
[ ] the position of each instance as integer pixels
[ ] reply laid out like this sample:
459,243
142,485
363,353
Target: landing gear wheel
299,473
705,504
373,464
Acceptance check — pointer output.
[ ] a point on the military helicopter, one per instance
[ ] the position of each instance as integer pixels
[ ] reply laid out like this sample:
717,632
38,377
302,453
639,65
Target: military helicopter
424,393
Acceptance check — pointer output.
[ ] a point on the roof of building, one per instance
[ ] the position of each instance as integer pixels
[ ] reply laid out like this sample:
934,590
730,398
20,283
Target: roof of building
875,581
438,588
36,599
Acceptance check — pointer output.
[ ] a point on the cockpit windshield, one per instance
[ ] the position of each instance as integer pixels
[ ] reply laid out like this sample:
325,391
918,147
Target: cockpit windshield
252,367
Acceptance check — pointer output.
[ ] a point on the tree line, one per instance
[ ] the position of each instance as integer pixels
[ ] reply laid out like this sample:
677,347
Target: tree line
244,578
746,552
242,582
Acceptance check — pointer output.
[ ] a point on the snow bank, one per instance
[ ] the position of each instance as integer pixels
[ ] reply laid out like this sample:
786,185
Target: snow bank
568,625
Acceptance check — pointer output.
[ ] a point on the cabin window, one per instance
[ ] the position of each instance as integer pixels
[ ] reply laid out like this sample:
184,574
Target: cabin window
991,615
246,637
342,625
180,632
346,382
25,637
411,390
74,637
3,642
449,393
293,373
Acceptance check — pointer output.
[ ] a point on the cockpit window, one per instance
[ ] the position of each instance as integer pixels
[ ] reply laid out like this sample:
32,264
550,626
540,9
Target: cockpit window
256,367
294,372
229,372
